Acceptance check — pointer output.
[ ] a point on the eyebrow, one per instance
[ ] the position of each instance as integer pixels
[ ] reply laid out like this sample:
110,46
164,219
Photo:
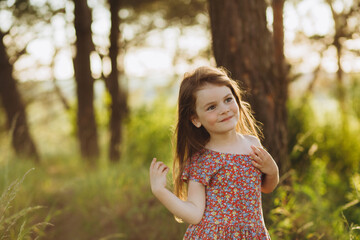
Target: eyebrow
210,103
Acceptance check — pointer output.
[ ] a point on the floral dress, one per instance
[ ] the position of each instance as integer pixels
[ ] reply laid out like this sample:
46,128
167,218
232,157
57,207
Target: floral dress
233,196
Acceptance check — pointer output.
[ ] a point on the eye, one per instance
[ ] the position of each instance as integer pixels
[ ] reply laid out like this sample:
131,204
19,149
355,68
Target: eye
212,107
229,99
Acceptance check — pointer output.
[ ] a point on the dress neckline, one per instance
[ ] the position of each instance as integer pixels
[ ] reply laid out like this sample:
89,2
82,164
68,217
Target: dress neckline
226,153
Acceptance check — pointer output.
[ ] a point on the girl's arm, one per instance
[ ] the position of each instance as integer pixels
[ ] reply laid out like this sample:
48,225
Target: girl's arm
269,183
266,164
190,211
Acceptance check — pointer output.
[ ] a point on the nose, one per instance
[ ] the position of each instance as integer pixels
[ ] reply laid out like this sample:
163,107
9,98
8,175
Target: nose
224,109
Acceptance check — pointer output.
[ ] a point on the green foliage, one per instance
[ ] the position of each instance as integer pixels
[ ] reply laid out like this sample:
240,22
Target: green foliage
114,201
322,198
354,95
301,130
11,226
149,133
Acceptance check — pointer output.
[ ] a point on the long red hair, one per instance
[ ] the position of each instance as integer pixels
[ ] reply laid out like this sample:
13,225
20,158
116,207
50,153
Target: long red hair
190,139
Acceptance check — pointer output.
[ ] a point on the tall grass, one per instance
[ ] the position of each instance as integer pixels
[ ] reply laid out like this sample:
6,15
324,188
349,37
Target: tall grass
114,201
14,225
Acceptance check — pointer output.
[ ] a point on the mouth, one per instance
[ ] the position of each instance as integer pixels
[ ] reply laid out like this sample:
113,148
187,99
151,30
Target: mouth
226,119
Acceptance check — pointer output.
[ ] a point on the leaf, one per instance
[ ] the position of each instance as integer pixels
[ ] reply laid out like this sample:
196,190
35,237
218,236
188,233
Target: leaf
21,231
350,204
10,221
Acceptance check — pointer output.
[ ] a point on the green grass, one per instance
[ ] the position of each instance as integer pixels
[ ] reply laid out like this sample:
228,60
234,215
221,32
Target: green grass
113,201
13,223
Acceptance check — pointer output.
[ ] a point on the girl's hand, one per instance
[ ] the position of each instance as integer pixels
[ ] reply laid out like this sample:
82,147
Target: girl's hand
263,161
158,171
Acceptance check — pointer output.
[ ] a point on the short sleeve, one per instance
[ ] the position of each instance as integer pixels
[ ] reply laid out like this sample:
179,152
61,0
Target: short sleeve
201,168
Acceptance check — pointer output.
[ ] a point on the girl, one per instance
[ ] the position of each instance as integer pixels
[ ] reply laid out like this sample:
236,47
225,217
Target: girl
220,167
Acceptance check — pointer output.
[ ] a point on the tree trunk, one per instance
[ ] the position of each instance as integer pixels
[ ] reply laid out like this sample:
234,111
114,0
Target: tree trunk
22,142
278,28
118,96
243,44
340,33
87,130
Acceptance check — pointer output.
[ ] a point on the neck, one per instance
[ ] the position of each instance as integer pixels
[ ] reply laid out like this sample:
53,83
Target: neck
222,140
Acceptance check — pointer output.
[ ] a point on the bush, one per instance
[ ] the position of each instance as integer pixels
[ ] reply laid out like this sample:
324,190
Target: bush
322,198
148,133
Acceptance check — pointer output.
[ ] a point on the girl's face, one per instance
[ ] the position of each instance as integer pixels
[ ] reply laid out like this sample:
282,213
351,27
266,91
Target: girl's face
216,109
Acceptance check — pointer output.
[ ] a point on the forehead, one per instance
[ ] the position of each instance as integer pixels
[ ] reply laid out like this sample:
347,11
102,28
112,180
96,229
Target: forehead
211,92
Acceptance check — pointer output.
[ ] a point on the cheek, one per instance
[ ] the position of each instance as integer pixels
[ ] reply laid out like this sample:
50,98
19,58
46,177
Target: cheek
235,108
211,118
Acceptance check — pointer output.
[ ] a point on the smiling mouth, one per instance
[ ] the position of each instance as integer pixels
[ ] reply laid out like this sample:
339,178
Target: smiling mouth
226,119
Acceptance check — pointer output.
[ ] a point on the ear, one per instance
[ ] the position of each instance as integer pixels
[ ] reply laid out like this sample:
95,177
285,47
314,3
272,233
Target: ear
196,121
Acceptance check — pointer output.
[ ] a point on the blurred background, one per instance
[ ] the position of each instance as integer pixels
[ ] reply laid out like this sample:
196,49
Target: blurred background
88,93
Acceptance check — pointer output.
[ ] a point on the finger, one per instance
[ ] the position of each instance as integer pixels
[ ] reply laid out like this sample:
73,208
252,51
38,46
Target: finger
255,150
157,164
160,165
259,151
263,151
153,163
162,168
258,159
265,155
165,170
254,153
255,164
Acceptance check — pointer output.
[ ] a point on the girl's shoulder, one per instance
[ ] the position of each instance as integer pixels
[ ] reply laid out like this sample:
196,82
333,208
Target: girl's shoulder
205,156
252,140
201,167
198,156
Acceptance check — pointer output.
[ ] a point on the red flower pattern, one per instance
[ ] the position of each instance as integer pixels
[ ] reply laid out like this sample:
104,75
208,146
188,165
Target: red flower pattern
233,196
